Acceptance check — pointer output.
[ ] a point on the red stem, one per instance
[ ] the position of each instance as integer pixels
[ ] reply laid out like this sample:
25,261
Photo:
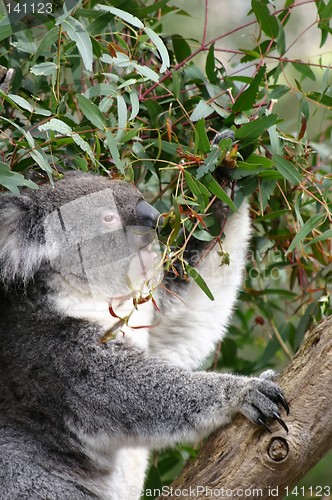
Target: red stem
204,46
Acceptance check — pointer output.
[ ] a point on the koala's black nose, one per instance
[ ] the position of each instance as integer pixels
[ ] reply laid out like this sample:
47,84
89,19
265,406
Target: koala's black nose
148,214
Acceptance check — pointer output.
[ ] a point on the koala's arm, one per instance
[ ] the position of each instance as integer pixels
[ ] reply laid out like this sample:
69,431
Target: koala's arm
191,324
144,401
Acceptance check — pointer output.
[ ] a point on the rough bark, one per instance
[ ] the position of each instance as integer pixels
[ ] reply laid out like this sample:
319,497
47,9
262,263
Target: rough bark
243,456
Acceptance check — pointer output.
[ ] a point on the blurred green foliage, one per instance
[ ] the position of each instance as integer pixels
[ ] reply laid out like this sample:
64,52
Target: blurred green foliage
103,88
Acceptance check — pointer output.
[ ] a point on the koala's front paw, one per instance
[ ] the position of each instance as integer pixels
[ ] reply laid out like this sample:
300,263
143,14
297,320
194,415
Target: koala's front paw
259,400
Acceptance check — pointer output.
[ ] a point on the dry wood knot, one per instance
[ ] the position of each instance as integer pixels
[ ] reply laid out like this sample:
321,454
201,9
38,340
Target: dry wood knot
278,449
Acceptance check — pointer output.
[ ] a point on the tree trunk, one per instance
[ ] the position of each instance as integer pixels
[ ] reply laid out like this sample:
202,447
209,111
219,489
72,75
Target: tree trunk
245,461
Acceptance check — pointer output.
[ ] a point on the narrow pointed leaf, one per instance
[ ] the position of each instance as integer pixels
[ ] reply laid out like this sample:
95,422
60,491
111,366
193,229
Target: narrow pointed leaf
14,180
91,112
247,99
78,34
202,143
112,146
202,110
160,47
125,16
287,169
218,191
311,224
194,274
250,132
267,22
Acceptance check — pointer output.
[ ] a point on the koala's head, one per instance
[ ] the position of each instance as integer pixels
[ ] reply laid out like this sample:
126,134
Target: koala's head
88,229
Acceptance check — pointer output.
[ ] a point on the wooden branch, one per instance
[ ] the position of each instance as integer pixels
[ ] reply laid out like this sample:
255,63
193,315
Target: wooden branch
242,456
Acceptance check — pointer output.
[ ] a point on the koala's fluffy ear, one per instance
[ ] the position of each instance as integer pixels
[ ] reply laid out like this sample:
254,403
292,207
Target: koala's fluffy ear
22,246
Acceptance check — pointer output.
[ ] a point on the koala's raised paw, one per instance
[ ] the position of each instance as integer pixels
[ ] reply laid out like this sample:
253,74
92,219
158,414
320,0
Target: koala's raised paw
260,401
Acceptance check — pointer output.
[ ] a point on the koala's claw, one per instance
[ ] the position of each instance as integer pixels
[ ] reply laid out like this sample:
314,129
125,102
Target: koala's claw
261,422
260,401
283,402
277,417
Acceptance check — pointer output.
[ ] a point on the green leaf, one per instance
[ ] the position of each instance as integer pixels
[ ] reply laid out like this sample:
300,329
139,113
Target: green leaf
41,159
210,163
65,15
195,186
143,11
176,222
210,66
14,180
134,102
21,102
78,34
267,187
202,110
46,43
154,108
25,133
112,146
181,48
62,128
275,142
327,235
125,16
176,84
5,30
324,99
91,112
202,143
146,72
278,91
247,99
218,191
305,70
276,214
194,274
267,22
287,169
202,235
281,39
100,89
250,132
160,47
257,161
122,115
45,69
311,224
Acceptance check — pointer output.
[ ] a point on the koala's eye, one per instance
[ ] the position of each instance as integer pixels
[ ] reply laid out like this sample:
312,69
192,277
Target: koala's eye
110,219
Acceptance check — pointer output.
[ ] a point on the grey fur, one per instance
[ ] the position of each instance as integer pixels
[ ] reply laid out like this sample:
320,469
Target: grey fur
62,389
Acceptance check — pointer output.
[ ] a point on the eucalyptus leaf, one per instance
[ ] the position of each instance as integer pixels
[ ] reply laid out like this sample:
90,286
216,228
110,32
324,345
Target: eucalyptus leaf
13,180
45,69
250,132
311,224
92,112
218,191
267,22
202,110
160,47
125,16
287,169
247,99
194,274
78,34
112,146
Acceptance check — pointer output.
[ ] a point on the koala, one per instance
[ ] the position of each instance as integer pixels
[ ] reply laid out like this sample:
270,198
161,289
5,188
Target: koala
93,372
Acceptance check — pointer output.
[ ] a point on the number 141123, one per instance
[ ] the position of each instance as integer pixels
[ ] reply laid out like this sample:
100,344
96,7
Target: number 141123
29,8
308,491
